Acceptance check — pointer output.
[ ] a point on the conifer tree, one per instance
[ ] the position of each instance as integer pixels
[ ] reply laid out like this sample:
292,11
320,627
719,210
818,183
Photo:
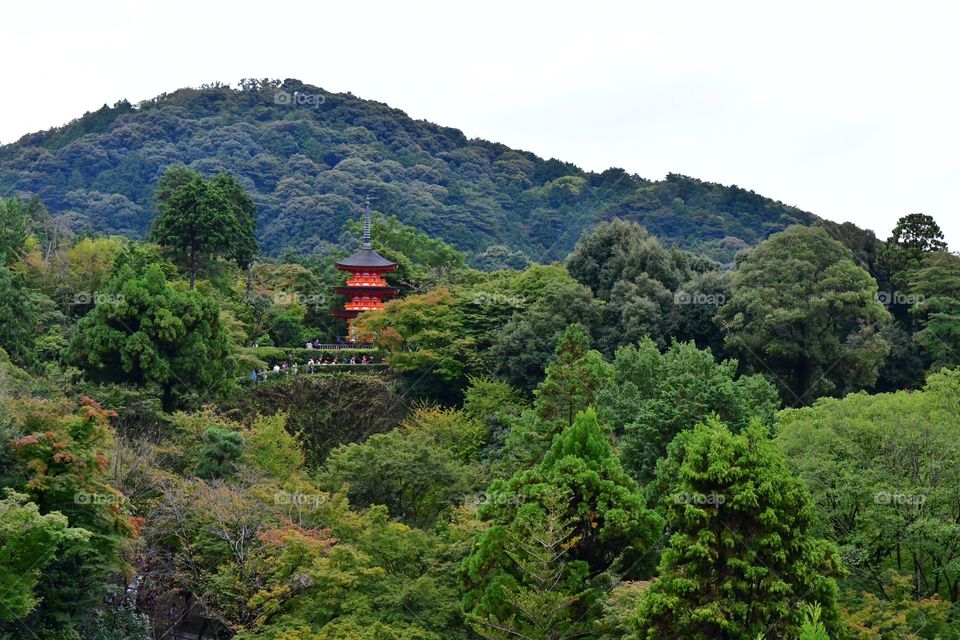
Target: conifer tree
575,521
742,559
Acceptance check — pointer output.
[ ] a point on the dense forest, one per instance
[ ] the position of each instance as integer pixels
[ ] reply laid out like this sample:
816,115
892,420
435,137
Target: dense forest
715,425
306,157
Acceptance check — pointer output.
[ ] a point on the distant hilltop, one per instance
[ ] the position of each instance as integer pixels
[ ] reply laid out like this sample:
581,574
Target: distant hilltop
307,157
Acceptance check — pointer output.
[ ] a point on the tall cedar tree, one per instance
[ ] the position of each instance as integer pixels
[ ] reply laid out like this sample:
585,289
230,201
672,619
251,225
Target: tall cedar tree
599,531
202,218
742,557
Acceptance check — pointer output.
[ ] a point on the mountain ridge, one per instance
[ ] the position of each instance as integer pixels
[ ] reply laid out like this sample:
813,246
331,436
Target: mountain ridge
309,161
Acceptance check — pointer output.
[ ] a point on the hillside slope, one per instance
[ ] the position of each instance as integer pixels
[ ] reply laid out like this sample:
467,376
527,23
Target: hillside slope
309,165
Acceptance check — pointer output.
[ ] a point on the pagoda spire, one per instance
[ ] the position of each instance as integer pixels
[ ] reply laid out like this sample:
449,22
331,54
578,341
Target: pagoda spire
366,226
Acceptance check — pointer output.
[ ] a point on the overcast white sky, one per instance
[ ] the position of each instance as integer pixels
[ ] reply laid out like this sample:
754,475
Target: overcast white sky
849,110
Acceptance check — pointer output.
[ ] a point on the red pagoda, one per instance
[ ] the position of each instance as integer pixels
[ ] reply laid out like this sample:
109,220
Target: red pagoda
366,288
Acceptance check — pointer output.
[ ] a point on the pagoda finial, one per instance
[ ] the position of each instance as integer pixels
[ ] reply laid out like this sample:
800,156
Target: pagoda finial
366,226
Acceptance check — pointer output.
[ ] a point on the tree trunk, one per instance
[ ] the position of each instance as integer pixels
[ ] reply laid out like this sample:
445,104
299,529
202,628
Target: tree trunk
803,381
193,265
167,399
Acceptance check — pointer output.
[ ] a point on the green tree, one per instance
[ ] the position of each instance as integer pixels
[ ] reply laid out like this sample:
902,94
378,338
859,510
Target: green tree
14,230
204,218
802,312
572,379
220,452
423,335
881,470
548,603
596,522
286,330
407,471
66,464
935,284
20,313
813,628
28,543
452,430
118,622
653,396
914,236
649,290
146,332
617,251
271,448
547,301
742,556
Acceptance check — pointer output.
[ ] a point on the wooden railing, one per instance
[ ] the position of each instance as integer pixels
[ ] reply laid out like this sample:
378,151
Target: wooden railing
338,346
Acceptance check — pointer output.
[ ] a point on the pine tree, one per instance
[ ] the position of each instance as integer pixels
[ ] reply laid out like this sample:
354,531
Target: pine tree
572,379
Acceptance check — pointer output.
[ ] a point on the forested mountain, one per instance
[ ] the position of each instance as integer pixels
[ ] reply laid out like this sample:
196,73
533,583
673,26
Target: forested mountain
307,157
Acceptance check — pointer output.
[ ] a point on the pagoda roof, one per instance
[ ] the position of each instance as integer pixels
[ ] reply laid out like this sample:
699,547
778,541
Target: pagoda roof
380,291
366,257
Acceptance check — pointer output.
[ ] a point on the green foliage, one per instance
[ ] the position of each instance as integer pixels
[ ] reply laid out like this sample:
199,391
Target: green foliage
272,449
454,431
325,411
813,628
375,579
200,219
14,230
653,396
28,542
422,335
286,330
64,461
548,602
533,308
220,452
307,168
649,291
118,623
743,555
560,533
914,236
496,405
802,312
896,612
617,251
881,470
236,519
491,399
572,379
20,309
407,471
936,285
147,332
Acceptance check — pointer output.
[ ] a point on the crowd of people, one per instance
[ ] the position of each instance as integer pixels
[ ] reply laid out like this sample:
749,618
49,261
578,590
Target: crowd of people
312,366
